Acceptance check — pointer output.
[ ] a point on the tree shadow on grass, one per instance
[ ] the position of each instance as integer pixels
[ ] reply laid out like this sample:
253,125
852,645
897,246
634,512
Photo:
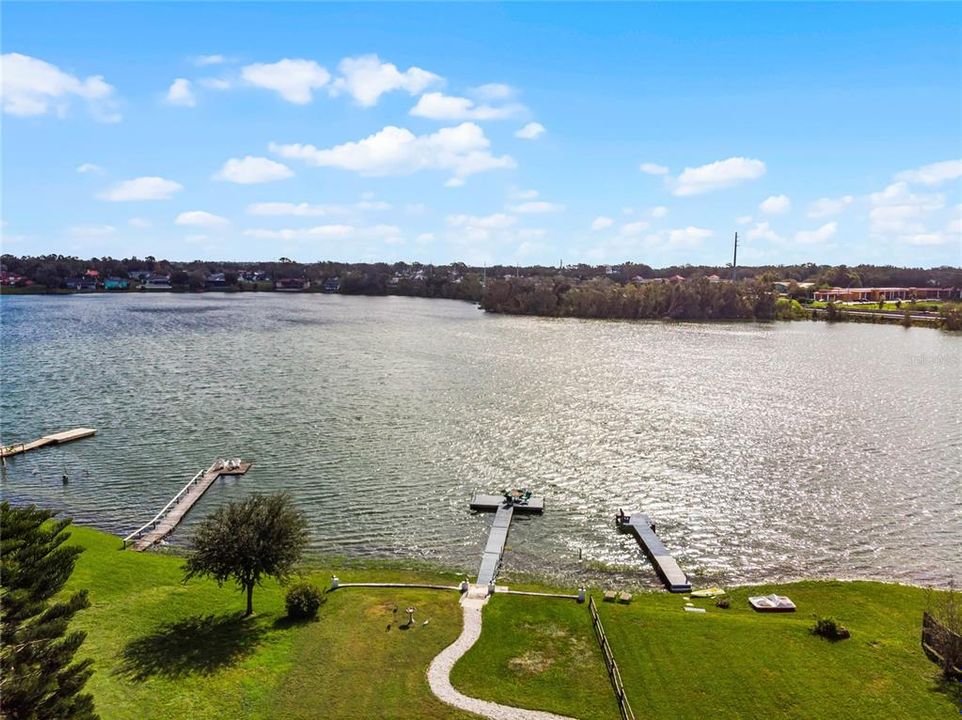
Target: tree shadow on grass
201,644
950,687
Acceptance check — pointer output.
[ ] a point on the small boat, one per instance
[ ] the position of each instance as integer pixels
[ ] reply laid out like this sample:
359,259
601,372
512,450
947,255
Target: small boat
771,603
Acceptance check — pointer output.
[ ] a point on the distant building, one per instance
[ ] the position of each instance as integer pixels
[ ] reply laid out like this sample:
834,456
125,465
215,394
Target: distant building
216,281
292,284
332,285
157,282
116,283
862,294
81,282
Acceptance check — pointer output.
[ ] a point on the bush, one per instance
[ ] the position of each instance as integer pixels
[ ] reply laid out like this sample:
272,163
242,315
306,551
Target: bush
830,628
303,600
723,603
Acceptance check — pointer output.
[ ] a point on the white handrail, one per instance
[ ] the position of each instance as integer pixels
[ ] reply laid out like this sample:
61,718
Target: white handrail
167,507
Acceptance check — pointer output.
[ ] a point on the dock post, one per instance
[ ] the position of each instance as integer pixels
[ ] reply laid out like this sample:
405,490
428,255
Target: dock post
335,583
581,595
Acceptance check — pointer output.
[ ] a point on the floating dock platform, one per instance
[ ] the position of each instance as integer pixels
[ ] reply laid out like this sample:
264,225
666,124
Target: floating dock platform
643,529
55,439
167,520
504,507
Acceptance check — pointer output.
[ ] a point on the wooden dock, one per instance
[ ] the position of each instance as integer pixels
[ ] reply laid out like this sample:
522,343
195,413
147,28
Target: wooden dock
167,520
55,439
644,531
504,509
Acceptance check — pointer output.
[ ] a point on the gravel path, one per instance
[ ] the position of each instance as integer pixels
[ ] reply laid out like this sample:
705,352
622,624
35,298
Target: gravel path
440,670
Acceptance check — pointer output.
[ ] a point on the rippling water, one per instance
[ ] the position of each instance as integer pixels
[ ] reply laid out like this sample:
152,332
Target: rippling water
763,451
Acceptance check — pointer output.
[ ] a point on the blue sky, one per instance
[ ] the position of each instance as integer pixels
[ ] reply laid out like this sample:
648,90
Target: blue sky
519,133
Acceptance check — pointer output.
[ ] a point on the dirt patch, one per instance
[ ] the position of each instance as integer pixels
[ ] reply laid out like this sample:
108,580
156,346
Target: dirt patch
531,663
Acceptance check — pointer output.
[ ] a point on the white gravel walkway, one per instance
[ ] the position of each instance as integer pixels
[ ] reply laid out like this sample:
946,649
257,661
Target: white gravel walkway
440,670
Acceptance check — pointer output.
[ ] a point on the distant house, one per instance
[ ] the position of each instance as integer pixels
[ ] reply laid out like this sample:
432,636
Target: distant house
157,282
12,279
332,285
676,278
713,279
116,283
216,281
81,282
292,284
861,294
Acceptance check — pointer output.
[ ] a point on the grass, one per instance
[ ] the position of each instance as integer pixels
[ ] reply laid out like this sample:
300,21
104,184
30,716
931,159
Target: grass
539,654
165,649
737,663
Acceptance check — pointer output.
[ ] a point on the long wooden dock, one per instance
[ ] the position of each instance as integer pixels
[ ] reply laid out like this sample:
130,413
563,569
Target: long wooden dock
166,521
504,508
643,529
55,439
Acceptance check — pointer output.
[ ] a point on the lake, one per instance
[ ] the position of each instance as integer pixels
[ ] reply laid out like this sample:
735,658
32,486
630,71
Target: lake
763,451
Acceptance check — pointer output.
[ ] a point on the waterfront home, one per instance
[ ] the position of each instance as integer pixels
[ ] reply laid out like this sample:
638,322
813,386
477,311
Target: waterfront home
81,282
156,282
10,279
863,294
332,285
116,283
216,281
292,284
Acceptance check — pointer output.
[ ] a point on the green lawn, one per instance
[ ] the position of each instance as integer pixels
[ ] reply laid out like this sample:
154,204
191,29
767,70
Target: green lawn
737,663
164,649
539,653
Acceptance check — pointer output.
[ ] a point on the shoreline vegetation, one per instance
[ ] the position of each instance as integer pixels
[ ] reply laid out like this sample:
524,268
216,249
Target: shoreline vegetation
625,292
533,652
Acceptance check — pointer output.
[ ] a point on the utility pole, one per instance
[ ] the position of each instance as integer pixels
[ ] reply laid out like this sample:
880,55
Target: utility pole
735,260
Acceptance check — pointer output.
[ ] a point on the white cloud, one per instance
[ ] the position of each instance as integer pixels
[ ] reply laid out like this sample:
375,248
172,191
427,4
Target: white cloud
454,182
213,83
933,174
925,239
495,221
204,60
826,207
372,205
293,209
322,232
531,131
718,175
91,231
438,106
89,168
650,168
494,91
366,78
142,188
688,236
29,86
819,235
139,223
538,206
659,211
776,205
200,218
294,80
634,228
425,238
181,93
743,219
521,194
763,231
251,170
896,210
602,223
463,150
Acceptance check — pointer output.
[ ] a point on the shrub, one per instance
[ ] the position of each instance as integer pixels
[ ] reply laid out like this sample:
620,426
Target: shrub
303,599
723,603
830,628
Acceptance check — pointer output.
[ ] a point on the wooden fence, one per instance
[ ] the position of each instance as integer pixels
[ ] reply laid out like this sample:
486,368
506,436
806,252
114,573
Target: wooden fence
623,705
939,642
